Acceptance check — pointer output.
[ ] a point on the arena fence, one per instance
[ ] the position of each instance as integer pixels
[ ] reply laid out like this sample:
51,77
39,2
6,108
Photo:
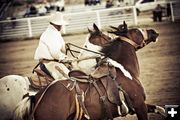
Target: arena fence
78,22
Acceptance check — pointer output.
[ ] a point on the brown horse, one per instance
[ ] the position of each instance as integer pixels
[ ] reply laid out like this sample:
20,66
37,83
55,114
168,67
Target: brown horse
58,101
122,30
150,36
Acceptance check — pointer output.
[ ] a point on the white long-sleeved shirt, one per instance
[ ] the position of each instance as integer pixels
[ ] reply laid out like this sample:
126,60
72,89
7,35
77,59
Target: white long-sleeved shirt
51,45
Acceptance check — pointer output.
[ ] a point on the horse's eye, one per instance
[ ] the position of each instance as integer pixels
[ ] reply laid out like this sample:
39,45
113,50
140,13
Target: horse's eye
85,46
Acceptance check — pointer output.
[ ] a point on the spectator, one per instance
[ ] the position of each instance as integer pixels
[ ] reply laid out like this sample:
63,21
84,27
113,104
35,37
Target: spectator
33,10
157,13
90,2
98,1
168,11
30,10
94,2
86,2
59,5
42,10
120,3
109,3
27,11
13,22
47,6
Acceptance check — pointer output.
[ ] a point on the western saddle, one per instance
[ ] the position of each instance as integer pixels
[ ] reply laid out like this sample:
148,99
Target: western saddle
104,73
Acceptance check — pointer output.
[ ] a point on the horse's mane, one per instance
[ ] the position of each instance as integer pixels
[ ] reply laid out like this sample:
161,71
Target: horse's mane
112,46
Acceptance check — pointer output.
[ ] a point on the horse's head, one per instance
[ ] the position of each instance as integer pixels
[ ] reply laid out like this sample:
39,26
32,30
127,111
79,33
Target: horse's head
136,36
94,41
96,37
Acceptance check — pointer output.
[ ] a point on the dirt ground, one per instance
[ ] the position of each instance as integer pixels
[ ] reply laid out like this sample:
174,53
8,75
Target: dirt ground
159,64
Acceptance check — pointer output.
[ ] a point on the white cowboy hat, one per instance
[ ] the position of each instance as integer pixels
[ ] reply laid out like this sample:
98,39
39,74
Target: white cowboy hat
57,19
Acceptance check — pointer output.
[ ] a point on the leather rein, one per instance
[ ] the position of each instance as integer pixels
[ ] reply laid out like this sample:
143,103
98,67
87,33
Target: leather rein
71,51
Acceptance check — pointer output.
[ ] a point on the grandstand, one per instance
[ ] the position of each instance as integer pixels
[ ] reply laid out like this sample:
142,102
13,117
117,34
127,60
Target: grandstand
79,19
4,5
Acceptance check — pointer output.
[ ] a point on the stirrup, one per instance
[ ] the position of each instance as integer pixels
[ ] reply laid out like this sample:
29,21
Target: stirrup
123,109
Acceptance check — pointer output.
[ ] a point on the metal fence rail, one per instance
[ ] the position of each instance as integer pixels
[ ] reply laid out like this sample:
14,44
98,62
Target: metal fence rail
175,8
78,22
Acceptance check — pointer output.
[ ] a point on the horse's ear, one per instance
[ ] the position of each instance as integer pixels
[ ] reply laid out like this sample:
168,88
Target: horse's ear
125,25
95,27
90,31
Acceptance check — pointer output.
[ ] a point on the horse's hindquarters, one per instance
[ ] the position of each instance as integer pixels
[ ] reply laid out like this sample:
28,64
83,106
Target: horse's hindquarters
57,103
12,90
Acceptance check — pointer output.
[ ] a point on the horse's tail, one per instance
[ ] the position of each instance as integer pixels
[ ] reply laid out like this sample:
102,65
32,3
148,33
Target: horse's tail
23,109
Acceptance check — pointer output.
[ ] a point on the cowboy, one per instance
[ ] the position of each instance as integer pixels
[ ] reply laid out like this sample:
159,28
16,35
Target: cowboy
51,47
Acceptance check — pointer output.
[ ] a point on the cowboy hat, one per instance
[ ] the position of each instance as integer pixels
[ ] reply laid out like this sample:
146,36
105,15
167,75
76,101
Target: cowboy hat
57,19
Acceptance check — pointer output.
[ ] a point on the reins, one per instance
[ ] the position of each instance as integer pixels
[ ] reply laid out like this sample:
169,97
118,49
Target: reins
71,51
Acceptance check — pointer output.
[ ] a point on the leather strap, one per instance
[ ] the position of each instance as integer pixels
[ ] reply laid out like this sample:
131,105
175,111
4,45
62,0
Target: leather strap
39,100
106,114
80,97
144,33
129,41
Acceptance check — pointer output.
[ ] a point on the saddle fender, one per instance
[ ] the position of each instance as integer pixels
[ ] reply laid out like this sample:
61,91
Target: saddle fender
111,90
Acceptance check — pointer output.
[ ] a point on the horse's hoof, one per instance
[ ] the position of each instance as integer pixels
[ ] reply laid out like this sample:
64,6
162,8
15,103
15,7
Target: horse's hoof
160,110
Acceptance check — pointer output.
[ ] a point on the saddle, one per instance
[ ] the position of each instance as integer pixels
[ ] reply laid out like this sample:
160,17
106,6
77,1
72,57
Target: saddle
105,74
101,71
42,77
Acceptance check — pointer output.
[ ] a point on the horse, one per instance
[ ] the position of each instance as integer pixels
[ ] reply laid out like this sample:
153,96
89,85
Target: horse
98,39
48,102
15,87
121,31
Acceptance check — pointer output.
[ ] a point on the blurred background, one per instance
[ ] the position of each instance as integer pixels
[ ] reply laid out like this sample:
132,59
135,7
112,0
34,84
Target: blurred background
23,21
30,17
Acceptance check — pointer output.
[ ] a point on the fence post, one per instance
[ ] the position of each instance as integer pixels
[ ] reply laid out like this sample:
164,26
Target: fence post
135,15
64,26
172,12
29,27
98,19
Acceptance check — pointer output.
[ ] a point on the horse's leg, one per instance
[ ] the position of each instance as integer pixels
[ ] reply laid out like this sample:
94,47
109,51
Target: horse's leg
141,109
156,109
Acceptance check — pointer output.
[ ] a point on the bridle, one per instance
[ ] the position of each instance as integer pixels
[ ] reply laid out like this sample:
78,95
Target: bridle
71,51
106,39
103,36
136,46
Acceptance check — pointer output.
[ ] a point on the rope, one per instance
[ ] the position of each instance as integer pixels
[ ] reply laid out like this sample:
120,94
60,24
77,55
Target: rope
68,44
